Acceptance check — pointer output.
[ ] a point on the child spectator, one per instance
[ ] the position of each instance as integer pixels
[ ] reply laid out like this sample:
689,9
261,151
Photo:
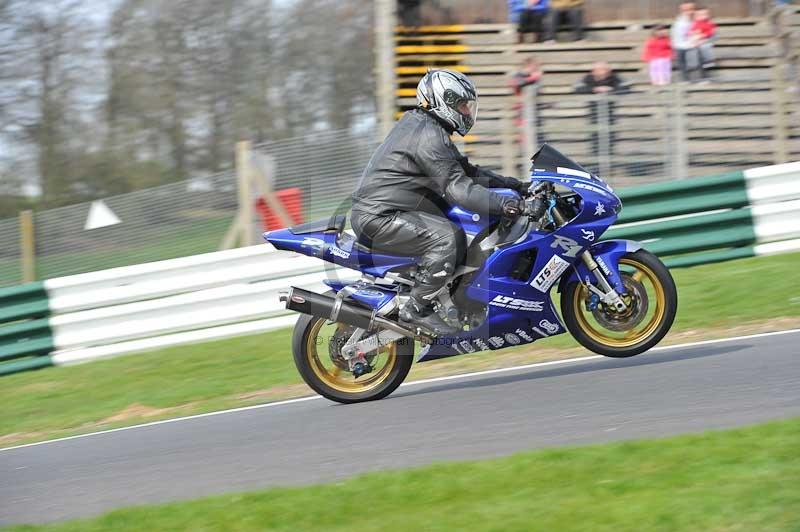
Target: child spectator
681,42
703,31
530,74
657,54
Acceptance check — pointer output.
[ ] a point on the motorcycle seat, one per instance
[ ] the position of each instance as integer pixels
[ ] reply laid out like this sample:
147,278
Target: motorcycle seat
334,223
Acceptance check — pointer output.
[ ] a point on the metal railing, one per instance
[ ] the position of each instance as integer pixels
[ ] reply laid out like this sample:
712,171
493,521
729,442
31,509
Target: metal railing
665,133
174,220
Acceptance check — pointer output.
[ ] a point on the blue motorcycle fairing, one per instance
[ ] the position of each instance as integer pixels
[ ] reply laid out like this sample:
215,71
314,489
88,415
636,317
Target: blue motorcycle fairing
532,315
324,245
502,328
607,254
473,223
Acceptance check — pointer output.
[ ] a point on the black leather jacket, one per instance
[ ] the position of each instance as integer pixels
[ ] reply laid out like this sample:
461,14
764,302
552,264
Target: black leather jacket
418,168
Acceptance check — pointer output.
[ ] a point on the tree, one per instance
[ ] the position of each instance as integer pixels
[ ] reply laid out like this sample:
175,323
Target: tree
169,87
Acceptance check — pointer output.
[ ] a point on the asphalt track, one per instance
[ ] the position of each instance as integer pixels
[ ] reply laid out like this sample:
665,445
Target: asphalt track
675,390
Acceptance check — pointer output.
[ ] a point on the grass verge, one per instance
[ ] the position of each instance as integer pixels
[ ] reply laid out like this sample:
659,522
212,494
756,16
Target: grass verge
744,479
750,295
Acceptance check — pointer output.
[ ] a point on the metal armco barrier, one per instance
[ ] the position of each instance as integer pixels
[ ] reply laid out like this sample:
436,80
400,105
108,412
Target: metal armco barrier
717,218
108,313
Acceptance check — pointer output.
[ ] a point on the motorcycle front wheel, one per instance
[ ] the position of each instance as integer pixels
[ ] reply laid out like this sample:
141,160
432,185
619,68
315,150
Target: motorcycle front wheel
651,300
316,345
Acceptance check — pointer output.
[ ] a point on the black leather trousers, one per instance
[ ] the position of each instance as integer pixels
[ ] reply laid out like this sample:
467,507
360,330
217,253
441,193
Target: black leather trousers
438,242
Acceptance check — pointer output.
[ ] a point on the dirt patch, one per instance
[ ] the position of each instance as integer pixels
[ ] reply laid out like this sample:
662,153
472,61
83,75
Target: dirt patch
8,440
273,394
138,411
696,335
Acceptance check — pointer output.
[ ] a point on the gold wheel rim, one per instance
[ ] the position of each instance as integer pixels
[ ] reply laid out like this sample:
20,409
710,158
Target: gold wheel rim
600,334
342,380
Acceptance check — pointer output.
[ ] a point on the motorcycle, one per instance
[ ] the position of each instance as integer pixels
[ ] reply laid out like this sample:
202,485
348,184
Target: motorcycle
617,299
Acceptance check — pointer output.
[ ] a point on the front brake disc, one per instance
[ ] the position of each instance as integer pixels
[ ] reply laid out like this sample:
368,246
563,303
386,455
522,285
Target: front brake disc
636,302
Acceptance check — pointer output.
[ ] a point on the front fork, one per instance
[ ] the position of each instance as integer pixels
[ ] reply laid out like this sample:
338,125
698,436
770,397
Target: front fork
608,295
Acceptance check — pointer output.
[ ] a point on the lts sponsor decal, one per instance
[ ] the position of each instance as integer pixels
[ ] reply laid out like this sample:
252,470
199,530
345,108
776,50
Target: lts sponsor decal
517,304
549,274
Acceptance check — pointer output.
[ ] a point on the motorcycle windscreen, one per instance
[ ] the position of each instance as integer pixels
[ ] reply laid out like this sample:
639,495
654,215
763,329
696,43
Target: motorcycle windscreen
549,159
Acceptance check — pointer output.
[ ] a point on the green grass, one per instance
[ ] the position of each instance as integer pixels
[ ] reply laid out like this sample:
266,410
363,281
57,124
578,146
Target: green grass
241,371
744,479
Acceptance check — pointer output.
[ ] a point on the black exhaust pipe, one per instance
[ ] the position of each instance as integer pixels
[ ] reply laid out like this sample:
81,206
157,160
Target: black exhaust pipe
338,310
331,308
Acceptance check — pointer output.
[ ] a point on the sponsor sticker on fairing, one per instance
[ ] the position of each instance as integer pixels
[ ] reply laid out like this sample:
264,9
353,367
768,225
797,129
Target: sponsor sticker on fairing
551,328
550,273
513,303
603,265
336,252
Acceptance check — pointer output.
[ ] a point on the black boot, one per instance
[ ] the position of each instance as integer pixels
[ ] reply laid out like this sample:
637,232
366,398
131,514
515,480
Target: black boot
424,316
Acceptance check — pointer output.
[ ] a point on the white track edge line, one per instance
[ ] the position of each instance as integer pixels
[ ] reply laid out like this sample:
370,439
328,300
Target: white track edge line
412,383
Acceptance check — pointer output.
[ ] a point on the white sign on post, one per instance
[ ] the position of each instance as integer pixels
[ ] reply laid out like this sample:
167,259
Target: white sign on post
100,216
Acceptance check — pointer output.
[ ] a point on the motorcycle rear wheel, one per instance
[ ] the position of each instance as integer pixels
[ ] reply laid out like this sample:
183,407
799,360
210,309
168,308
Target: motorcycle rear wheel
314,345
652,302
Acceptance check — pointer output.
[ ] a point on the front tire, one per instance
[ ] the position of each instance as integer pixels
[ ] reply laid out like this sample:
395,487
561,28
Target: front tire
652,303
314,345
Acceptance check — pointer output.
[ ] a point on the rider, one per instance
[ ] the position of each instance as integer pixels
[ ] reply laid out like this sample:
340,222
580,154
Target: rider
412,180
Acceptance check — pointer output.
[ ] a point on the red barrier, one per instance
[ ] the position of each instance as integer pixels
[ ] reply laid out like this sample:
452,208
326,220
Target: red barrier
292,201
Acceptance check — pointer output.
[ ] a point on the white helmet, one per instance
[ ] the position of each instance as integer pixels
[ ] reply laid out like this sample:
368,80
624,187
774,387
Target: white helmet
451,96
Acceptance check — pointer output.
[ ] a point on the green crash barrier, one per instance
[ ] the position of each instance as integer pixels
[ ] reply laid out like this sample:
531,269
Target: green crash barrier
26,338
28,364
675,198
23,302
710,257
681,222
703,232
24,327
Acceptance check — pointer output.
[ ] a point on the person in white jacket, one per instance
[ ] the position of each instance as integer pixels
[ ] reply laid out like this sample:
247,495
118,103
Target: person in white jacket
680,34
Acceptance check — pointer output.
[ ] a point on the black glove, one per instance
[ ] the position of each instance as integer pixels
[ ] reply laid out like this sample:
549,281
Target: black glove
512,209
520,187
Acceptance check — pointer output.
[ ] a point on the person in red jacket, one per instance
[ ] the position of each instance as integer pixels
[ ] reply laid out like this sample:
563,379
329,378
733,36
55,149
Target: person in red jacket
657,54
702,33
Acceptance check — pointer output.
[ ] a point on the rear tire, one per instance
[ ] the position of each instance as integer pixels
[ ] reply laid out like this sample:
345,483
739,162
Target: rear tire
310,349
619,341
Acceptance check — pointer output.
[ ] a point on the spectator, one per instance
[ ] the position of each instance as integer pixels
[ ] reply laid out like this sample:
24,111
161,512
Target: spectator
530,19
703,31
409,12
531,74
601,80
572,10
684,45
514,9
657,54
